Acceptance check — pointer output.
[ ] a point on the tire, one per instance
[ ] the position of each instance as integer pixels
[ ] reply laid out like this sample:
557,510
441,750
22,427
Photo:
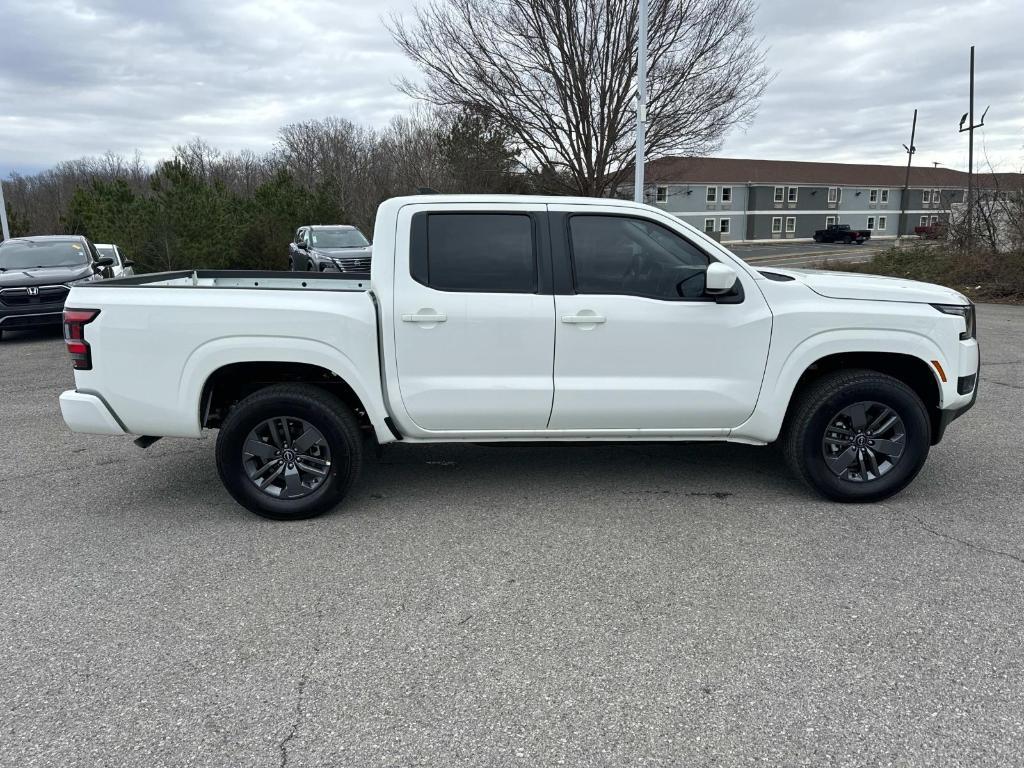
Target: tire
339,451
818,238
812,431
860,242
847,240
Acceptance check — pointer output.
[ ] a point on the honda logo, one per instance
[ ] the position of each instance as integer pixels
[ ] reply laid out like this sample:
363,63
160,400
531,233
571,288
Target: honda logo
33,291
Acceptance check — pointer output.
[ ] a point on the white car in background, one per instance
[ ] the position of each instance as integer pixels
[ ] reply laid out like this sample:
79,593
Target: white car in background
122,266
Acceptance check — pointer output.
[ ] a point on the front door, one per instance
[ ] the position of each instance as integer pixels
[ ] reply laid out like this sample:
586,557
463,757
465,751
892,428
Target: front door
639,346
474,334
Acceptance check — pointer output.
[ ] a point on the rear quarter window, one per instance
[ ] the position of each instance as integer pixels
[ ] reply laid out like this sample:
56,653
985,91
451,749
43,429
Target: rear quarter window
474,252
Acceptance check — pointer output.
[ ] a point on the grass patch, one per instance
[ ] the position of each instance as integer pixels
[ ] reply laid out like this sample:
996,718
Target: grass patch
981,276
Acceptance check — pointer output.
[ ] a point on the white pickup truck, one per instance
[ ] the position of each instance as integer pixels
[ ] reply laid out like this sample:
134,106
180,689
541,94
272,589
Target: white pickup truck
492,318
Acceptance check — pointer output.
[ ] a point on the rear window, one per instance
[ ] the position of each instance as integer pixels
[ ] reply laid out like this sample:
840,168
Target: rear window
478,252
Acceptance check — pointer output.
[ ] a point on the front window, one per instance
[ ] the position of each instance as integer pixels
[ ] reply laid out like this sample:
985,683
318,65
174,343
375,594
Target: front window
793,192
776,224
871,222
723,226
779,194
712,194
830,221
635,257
885,195
338,238
709,225
873,196
833,194
926,196
29,254
790,224
881,222
726,194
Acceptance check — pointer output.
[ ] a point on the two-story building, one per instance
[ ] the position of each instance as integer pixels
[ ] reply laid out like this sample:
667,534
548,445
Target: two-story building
738,199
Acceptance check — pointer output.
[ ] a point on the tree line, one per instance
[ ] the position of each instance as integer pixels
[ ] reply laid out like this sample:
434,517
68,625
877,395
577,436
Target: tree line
204,208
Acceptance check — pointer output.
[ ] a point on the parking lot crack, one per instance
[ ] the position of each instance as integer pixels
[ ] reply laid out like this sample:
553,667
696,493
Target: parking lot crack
300,691
969,544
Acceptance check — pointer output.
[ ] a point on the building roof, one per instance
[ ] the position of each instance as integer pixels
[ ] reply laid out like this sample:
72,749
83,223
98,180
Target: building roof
743,171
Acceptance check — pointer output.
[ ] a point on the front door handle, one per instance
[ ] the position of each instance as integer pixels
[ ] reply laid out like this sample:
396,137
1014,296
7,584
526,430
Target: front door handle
583,319
425,316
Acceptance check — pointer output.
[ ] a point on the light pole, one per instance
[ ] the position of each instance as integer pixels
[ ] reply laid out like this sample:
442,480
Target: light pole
906,182
970,155
641,103
3,215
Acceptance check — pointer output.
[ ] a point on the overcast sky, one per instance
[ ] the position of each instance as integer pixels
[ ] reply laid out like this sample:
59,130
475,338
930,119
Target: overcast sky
80,77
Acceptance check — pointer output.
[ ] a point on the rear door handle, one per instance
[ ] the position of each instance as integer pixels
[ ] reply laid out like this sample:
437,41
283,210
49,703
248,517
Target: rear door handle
424,317
583,319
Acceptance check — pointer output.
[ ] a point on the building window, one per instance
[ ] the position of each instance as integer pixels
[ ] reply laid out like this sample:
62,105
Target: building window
726,194
791,224
934,220
833,194
830,221
661,194
873,196
723,226
712,194
885,195
924,221
780,194
777,224
871,222
881,222
709,225
926,196
936,198
792,194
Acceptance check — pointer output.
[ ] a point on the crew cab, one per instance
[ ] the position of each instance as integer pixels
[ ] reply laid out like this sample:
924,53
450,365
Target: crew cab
334,248
841,233
529,319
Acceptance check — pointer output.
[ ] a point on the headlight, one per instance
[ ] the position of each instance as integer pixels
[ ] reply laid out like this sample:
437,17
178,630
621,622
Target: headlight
966,311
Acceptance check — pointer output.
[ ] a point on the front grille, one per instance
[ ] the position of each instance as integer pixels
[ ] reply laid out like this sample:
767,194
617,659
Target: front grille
360,265
30,321
33,296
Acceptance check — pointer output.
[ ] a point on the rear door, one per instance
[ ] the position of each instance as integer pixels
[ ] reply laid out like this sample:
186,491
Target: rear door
474,318
639,346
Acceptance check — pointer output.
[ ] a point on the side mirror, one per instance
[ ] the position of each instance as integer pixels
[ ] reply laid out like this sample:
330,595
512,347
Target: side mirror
104,261
302,245
129,263
720,278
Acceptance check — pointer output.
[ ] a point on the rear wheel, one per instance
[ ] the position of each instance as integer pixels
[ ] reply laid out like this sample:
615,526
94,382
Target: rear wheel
289,452
817,238
857,436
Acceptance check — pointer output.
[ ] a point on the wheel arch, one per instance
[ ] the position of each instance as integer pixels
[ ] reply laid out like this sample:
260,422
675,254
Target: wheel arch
913,371
220,373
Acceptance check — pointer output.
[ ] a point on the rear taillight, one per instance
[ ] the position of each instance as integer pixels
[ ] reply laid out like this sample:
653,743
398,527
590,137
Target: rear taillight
75,321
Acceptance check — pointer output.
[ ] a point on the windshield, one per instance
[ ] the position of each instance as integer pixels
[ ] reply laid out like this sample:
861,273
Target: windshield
339,238
25,254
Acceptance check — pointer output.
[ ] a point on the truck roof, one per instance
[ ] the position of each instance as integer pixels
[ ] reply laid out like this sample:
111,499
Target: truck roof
536,199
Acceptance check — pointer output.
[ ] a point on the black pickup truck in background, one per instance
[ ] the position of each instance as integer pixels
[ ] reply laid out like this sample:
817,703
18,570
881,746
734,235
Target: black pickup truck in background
841,233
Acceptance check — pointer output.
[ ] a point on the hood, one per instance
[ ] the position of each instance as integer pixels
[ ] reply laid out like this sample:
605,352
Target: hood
851,285
16,278
346,253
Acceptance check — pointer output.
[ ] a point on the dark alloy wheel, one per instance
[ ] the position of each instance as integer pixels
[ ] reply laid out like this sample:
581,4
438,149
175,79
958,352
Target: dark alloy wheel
286,458
289,451
856,435
864,442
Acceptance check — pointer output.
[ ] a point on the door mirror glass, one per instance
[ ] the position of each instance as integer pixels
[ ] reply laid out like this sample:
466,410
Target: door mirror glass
720,278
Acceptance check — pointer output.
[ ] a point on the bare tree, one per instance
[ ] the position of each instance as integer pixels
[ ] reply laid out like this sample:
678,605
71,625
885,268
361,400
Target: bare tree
559,76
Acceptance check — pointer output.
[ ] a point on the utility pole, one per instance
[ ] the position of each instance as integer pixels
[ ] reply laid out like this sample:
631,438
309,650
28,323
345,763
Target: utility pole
969,115
3,215
641,104
906,182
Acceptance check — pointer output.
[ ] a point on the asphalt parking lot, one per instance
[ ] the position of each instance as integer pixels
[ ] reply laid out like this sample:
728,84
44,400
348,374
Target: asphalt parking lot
605,606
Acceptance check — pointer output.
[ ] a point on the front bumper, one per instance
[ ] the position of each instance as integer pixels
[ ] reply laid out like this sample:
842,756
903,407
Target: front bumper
84,412
30,317
949,415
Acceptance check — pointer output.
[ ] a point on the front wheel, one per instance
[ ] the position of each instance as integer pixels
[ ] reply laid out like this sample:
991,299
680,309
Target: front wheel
857,436
818,238
289,452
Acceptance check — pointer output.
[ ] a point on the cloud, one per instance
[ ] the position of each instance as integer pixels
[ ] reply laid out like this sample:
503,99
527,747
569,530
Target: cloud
81,77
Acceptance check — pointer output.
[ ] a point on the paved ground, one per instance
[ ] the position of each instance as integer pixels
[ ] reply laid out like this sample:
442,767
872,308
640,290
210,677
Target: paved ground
612,606
802,255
